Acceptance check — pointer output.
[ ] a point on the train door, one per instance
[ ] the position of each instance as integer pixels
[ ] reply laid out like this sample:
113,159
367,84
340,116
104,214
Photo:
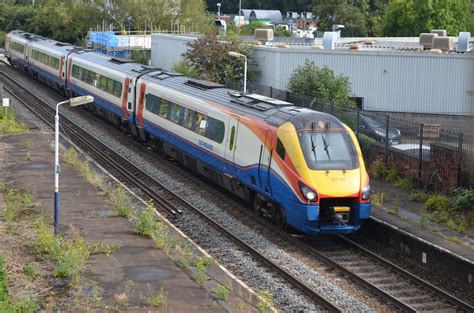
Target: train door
265,161
231,146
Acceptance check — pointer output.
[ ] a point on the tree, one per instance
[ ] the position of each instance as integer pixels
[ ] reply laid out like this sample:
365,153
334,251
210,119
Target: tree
412,17
342,12
210,59
321,83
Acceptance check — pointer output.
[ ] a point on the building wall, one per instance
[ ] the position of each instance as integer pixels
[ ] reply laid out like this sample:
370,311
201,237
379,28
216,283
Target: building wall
167,49
388,81
412,82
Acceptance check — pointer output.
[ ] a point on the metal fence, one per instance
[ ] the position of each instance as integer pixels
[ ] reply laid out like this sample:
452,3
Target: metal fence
424,154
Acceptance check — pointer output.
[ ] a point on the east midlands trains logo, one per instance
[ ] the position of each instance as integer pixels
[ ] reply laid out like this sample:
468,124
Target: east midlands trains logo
206,145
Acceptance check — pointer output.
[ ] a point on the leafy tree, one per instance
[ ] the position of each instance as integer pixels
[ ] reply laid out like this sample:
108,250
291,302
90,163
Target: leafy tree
321,83
281,32
210,59
249,29
343,12
184,68
412,17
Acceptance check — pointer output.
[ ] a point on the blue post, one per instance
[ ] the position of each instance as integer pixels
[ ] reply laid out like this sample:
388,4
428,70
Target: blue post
56,212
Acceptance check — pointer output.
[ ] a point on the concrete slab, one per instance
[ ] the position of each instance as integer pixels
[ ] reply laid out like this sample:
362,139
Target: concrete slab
137,268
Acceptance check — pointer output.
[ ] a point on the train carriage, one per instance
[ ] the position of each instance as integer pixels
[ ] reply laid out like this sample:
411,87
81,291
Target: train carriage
16,48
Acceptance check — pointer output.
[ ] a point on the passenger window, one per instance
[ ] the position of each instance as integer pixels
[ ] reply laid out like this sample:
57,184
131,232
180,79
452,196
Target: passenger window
280,149
200,124
163,112
232,138
174,113
188,119
215,130
152,103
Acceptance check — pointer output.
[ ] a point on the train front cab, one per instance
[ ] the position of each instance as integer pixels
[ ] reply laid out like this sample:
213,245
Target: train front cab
329,197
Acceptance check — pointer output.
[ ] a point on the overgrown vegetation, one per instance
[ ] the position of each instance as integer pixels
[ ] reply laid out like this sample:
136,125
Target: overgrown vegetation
8,123
222,292
158,300
184,68
265,304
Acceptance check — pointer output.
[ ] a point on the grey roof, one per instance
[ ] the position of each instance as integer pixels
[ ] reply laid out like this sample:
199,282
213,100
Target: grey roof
274,15
246,13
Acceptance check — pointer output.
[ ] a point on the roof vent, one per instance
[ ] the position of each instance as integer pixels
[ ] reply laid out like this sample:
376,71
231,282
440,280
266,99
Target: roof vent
329,40
463,41
120,60
443,43
203,84
263,35
440,32
62,44
426,40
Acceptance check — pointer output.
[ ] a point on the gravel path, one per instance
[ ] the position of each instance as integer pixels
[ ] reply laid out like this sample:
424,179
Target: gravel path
239,262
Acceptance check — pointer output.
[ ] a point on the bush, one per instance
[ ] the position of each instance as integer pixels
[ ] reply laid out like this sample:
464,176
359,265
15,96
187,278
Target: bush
3,35
377,168
463,199
392,175
145,224
181,66
438,202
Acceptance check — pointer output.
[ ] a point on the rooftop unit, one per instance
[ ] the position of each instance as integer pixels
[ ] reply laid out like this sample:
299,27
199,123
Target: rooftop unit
443,43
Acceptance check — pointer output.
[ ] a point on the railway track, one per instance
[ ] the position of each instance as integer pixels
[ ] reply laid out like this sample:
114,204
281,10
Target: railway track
385,280
131,175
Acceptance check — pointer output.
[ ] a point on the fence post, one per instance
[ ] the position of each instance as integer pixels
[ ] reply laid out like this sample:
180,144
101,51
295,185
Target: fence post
460,143
420,153
287,96
271,92
386,139
358,124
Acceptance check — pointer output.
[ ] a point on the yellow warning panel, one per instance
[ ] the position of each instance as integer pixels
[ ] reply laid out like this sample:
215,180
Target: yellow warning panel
341,209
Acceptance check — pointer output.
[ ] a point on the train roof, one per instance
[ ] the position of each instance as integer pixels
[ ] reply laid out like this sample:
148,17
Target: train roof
125,66
272,111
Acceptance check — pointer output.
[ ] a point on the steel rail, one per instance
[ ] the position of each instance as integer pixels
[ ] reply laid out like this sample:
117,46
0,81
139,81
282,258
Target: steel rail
94,147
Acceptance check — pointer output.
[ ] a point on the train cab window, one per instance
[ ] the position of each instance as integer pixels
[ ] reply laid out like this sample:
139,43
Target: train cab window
200,124
215,130
175,111
280,149
188,118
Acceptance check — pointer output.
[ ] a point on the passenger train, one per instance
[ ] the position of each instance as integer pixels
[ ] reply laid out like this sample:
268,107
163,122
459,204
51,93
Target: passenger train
296,166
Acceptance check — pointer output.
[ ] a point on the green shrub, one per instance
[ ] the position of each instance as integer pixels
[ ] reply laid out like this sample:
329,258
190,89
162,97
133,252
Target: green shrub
122,203
30,270
222,292
403,183
463,199
265,303
392,175
3,35
46,244
418,196
158,300
377,168
145,224
438,202
181,66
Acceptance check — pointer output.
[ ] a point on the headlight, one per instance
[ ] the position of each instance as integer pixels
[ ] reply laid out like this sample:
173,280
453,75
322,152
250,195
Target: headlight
308,193
366,191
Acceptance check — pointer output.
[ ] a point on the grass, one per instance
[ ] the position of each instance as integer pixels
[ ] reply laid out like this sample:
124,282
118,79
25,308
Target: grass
378,199
265,303
222,292
16,202
71,157
31,271
9,125
121,201
455,239
28,156
418,196
202,264
158,300
145,223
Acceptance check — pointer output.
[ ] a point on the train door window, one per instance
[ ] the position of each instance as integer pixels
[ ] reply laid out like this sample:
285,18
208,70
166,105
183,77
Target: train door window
117,89
188,118
152,103
215,129
232,138
175,111
164,104
200,124
280,149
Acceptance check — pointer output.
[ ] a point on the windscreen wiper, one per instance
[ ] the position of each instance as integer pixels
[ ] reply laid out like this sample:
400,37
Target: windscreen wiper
326,144
313,146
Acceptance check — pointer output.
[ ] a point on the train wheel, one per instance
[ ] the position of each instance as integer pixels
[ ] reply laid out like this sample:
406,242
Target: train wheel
258,206
279,217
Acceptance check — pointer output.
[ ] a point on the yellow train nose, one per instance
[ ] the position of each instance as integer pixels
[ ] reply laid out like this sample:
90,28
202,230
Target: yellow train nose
337,183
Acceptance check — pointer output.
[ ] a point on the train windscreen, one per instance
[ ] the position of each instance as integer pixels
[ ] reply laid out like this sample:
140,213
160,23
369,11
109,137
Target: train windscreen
328,150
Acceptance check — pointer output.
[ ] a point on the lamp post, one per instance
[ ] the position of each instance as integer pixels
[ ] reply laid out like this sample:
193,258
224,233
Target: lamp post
240,55
219,10
73,102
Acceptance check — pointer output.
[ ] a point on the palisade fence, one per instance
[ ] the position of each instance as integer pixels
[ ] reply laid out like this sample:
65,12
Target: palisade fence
425,154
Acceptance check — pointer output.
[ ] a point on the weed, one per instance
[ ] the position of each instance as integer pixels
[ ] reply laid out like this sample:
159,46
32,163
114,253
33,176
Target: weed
200,276
463,199
8,124
265,302
3,282
418,196
11,229
376,169
28,156
439,217
30,270
392,175
378,199
103,248
403,183
158,300
145,224
455,239
222,292
451,224
121,201
202,264
438,202
423,219
28,143
71,157
462,227
46,244
15,202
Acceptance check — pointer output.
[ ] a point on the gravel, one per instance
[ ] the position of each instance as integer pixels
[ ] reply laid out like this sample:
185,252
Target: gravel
239,262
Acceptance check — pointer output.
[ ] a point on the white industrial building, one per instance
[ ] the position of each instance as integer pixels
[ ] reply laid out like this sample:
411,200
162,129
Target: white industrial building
390,74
